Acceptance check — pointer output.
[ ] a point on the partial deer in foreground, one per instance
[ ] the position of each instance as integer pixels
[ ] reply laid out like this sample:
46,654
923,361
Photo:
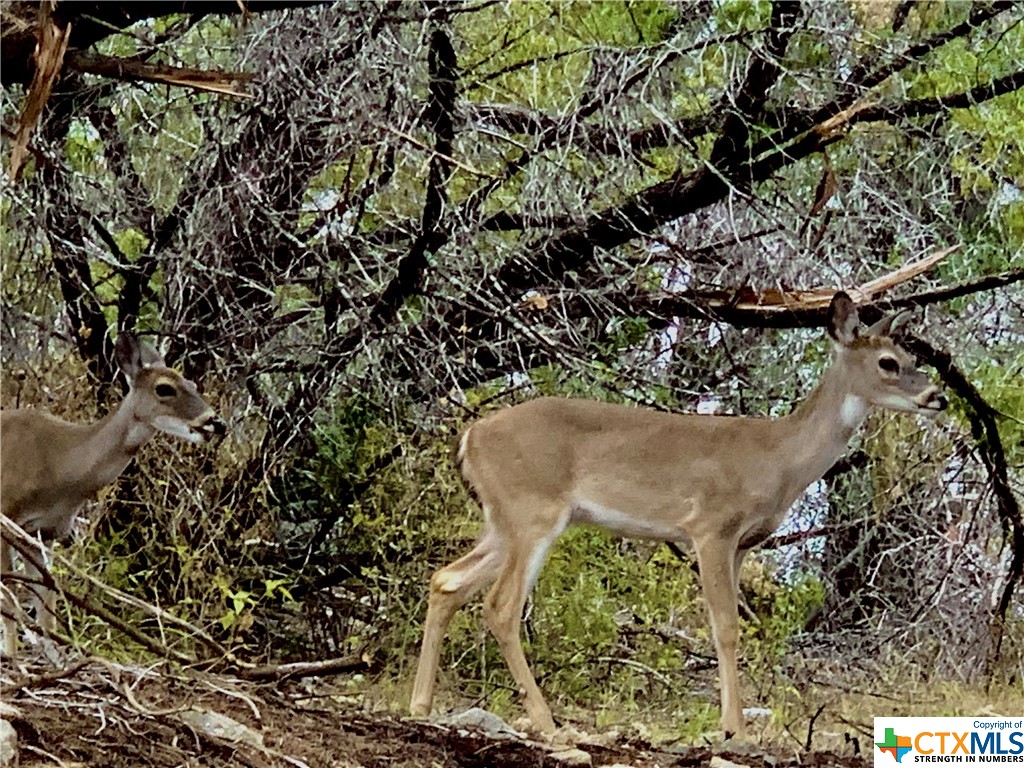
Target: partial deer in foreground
720,483
50,467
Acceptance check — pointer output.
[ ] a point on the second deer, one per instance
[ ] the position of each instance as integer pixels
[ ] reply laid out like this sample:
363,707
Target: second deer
49,467
721,483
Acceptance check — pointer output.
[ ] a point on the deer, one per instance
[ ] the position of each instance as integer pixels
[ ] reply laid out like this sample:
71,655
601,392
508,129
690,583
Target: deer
50,467
719,484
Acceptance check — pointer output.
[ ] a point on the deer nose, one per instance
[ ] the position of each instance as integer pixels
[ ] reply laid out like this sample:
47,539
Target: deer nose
219,428
933,400
209,425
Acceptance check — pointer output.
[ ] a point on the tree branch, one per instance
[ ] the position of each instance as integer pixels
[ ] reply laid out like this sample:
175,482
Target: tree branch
675,197
440,116
985,432
296,669
432,236
860,81
920,107
93,21
762,74
864,80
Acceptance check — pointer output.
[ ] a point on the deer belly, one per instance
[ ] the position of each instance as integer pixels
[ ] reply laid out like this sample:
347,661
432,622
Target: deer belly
586,512
50,522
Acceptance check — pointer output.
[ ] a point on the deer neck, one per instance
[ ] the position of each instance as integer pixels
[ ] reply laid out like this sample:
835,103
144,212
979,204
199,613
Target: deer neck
822,425
112,442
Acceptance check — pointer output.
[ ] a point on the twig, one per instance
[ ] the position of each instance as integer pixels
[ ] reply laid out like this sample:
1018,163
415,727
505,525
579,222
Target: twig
637,665
420,145
38,681
810,728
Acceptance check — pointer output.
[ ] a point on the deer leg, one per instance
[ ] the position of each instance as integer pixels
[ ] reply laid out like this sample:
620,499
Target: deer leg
451,587
719,572
503,611
737,568
45,602
44,599
8,602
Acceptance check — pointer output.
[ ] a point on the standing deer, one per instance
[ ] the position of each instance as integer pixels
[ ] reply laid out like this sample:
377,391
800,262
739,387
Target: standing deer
49,467
721,483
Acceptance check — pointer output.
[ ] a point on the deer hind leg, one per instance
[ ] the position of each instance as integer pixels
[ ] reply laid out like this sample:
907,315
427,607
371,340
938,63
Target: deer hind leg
719,571
450,588
44,599
8,602
737,567
503,611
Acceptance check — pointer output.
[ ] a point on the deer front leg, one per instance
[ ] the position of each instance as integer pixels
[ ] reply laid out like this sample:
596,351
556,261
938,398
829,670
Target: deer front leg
719,574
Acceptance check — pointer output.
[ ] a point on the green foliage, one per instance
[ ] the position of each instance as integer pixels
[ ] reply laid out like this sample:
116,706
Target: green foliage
987,140
244,604
807,50
345,445
930,18
782,609
739,15
629,332
558,38
131,242
998,380
83,148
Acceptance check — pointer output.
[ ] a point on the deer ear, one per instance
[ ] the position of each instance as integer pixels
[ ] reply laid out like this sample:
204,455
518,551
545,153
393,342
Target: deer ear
128,354
843,321
890,325
132,355
900,322
150,357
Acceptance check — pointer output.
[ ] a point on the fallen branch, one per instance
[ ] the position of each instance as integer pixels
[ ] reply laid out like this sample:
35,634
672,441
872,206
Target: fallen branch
743,308
154,610
306,668
134,70
49,58
30,549
22,682
769,301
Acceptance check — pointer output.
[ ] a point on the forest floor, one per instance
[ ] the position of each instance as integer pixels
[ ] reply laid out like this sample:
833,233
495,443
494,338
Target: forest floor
96,713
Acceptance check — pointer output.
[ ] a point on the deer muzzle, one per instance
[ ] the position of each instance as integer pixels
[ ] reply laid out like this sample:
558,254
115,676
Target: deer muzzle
932,399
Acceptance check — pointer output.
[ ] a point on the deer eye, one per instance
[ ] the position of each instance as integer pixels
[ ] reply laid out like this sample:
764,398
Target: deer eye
889,364
165,390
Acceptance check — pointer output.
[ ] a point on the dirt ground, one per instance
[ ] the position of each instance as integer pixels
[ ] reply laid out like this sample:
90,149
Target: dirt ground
96,713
